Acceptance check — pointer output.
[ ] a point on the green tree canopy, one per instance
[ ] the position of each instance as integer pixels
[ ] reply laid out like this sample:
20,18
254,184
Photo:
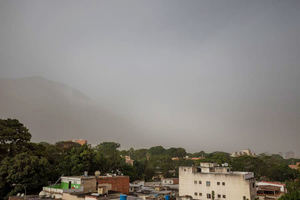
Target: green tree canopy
13,137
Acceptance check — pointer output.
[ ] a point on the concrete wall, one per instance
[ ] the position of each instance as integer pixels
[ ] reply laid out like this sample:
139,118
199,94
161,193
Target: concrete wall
235,188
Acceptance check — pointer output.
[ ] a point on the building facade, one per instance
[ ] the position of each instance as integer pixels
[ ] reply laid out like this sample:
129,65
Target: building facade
211,181
245,152
114,183
69,185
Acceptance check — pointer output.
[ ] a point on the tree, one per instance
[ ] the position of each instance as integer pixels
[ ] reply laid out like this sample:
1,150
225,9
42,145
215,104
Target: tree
78,160
14,137
157,150
176,152
24,169
67,145
108,147
293,189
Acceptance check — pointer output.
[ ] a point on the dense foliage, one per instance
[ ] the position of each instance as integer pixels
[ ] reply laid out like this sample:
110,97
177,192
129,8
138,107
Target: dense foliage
33,165
293,188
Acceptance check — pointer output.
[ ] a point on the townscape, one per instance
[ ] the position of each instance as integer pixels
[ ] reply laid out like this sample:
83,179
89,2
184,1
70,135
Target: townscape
74,170
149,100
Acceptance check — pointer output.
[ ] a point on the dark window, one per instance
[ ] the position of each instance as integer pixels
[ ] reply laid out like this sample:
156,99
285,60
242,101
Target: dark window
184,169
70,184
208,183
200,182
208,196
223,183
200,194
244,198
195,182
219,196
253,185
224,196
195,193
218,183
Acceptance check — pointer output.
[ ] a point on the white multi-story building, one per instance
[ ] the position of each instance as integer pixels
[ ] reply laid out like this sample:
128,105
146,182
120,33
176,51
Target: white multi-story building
211,181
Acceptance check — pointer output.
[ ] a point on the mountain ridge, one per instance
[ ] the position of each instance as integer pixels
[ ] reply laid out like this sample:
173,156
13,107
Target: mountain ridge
54,111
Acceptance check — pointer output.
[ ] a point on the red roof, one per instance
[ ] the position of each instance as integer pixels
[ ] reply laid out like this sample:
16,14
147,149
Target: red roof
277,183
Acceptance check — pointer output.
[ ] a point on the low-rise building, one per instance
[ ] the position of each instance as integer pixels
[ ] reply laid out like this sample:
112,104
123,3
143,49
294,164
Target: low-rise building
128,160
80,141
211,181
70,184
296,166
270,190
113,183
289,154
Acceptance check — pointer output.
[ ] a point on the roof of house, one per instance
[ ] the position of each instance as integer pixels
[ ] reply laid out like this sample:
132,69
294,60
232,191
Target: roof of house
277,183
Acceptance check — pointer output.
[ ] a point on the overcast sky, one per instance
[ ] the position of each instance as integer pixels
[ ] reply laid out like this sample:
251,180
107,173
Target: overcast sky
212,75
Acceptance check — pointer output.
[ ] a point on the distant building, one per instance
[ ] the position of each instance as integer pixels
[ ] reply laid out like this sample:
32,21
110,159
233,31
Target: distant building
211,181
80,141
128,160
170,181
296,166
196,158
187,158
270,190
289,154
113,183
246,152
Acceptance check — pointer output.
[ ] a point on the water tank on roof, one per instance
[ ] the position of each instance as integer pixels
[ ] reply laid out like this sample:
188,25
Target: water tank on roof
97,173
85,173
123,197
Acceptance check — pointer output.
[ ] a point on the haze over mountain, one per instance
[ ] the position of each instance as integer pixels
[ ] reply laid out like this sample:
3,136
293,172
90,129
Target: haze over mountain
54,112
204,75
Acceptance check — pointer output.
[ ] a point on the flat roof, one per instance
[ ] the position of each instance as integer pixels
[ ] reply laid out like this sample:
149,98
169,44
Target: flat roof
79,177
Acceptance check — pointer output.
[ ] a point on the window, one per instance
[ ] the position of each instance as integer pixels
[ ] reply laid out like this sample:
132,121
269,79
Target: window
184,170
253,185
218,183
223,183
224,196
200,194
244,198
207,183
195,182
219,196
195,193
200,182
208,196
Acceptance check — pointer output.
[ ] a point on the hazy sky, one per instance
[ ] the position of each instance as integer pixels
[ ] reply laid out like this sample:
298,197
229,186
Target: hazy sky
212,75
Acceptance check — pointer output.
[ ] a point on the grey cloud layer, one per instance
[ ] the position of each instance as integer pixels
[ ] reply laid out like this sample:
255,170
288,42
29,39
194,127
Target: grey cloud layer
201,74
